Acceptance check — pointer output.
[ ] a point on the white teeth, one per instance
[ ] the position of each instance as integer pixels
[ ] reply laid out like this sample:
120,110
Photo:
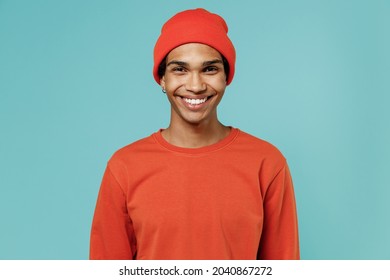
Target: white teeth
195,101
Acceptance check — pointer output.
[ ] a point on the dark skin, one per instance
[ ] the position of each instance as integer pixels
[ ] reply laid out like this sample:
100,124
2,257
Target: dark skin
163,66
195,82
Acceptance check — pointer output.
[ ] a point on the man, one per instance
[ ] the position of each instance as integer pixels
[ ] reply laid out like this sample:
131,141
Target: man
197,189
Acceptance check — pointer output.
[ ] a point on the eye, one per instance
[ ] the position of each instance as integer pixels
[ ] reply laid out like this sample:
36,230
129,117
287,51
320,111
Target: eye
178,69
211,69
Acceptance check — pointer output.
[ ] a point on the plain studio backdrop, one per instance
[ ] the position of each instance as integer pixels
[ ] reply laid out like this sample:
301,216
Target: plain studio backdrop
76,84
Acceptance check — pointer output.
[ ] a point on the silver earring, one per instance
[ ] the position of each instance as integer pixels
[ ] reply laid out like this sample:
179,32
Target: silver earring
163,90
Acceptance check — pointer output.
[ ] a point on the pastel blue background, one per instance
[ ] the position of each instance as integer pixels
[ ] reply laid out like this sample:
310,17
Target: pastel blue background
75,85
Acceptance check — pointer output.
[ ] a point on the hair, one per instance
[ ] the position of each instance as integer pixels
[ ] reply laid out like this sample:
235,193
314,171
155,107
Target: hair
163,66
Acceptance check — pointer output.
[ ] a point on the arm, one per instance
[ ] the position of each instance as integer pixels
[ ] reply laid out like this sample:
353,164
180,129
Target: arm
112,235
279,238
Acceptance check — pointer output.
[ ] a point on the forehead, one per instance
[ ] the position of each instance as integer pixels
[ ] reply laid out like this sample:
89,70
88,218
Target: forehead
193,52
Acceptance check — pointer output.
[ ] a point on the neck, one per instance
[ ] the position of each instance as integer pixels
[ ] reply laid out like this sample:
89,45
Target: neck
195,135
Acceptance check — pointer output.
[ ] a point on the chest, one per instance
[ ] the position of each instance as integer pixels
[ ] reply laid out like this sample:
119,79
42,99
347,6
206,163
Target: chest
195,195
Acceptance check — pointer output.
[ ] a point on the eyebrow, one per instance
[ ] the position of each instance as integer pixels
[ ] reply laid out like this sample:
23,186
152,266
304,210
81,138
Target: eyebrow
211,62
177,62
206,63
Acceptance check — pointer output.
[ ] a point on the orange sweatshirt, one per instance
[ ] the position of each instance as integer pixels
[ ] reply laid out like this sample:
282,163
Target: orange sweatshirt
230,200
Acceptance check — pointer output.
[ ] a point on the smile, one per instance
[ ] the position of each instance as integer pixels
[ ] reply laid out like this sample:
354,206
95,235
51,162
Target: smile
195,101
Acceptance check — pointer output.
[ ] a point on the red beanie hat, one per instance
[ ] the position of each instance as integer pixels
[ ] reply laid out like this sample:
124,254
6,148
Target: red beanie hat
194,26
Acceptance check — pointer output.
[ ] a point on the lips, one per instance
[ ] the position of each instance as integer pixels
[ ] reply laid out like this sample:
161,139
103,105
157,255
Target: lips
195,103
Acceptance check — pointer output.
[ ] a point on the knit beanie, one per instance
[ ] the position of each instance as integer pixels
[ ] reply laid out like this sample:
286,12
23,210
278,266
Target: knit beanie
194,26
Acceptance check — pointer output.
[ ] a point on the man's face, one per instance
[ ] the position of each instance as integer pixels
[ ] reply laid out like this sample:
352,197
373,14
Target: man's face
195,82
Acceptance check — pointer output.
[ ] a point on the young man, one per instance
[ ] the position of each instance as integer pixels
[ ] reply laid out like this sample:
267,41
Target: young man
197,189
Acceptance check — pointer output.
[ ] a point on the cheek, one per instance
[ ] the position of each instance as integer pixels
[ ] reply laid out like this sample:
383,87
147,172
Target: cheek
173,83
219,84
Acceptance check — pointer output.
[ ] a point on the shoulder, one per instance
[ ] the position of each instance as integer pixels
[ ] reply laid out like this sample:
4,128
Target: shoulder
259,144
259,148
133,152
264,156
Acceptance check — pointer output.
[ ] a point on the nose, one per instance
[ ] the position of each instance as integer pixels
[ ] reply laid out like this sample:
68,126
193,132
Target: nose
195,83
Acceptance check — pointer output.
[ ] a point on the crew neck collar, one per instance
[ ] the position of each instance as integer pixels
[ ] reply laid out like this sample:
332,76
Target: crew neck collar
196,151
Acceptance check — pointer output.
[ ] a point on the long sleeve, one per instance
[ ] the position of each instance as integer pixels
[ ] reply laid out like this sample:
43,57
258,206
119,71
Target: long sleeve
112,235
279,238
230,200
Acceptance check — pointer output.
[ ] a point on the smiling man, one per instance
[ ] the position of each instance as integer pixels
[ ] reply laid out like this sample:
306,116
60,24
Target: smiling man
194,81
197,189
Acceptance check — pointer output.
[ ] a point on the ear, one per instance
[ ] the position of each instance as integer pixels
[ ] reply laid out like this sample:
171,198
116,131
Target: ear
162,82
